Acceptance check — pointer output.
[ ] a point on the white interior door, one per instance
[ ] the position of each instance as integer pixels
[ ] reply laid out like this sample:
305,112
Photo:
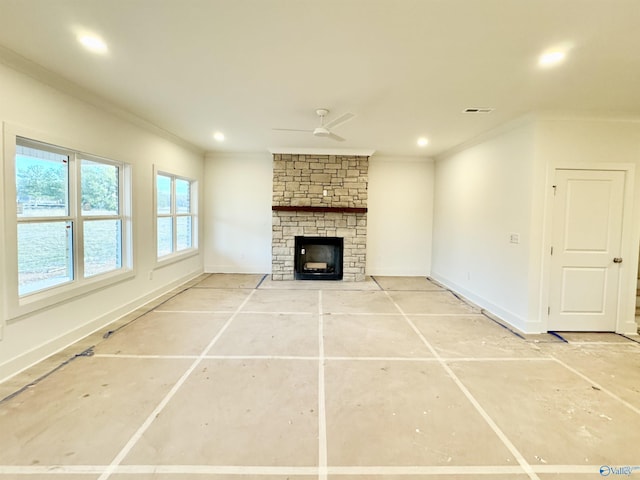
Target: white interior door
585,263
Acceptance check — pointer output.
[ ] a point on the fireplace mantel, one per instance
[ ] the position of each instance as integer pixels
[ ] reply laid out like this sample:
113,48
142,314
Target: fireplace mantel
307,208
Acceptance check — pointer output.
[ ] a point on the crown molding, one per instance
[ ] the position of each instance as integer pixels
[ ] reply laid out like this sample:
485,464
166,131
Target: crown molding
23,65
352,152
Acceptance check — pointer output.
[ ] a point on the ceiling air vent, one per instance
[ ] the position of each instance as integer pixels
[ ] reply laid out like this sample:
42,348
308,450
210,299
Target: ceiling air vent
478,110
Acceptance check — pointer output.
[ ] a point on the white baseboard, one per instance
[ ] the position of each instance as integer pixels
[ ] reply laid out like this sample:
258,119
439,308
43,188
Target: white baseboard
511,318
397,272
29,358
630,328
253,269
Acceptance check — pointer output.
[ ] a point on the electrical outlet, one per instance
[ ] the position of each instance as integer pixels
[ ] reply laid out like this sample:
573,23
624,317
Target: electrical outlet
150,274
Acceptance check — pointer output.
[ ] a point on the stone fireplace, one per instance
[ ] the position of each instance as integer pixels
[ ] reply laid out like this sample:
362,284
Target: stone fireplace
318,195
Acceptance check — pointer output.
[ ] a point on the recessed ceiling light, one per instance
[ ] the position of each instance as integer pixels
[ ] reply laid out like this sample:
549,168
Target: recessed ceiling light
422,142
219,136
93,43
551,58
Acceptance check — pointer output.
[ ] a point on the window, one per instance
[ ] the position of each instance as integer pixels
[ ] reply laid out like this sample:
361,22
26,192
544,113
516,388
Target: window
176,220
71,219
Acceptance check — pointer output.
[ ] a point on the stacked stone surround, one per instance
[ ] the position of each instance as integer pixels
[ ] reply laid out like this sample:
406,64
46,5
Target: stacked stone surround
300,181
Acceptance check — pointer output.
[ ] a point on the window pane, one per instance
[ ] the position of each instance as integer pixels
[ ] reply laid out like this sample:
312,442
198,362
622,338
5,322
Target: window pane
183,196
99,188
184,236
163,193
41,183
165,236
45,255
102,246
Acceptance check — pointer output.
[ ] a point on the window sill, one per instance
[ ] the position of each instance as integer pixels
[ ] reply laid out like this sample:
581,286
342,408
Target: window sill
64,293
176,257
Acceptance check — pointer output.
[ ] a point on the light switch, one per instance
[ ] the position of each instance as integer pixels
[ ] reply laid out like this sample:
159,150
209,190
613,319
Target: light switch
514,238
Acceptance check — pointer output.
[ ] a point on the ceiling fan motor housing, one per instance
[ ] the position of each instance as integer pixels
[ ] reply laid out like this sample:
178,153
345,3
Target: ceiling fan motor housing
321,132
324,130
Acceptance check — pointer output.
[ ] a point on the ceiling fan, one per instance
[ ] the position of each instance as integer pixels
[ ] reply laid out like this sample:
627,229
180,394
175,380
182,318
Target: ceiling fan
324,130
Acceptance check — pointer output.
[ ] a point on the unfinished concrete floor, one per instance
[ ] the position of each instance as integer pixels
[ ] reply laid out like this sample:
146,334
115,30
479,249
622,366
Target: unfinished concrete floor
238,377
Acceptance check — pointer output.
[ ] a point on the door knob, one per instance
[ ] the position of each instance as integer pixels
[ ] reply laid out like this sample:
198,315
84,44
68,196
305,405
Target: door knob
617,260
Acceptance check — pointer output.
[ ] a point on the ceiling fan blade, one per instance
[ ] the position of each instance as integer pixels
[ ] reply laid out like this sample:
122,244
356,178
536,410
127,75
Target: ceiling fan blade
335,137
339,121
290,130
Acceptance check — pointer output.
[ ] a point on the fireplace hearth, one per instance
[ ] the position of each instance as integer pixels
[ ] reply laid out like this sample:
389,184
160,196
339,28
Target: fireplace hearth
318,258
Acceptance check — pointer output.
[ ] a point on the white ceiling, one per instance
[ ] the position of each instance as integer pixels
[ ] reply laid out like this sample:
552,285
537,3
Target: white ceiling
406,68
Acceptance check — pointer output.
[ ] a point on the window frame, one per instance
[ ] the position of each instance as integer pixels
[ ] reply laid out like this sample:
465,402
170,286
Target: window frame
85,218
175,255
18,305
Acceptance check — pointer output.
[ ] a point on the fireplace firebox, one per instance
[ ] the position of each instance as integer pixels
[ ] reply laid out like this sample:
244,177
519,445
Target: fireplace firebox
318,258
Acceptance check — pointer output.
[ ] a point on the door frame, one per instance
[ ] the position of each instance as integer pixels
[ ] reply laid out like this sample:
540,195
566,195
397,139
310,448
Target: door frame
628,271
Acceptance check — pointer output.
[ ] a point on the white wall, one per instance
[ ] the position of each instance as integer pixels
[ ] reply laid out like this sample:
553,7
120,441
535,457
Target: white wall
51,114
565,142
237,219
483,194
400,216
238,214
502,184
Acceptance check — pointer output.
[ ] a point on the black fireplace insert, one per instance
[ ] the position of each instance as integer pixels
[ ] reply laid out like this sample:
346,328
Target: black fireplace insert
318,258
